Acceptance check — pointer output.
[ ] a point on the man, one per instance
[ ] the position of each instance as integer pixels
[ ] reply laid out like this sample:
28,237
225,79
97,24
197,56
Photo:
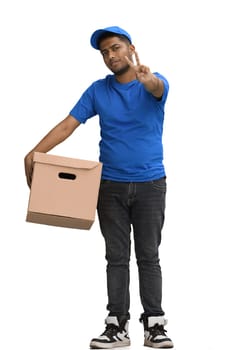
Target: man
130,104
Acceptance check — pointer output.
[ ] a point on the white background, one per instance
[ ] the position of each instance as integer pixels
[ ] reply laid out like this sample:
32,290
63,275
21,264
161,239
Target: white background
53,287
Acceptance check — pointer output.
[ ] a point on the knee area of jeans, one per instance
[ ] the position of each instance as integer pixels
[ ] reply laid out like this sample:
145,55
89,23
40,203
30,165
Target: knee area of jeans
118,264
150,261
117,260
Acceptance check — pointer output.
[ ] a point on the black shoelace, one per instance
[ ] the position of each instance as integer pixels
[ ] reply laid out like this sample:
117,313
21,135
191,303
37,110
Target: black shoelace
157,330
111,330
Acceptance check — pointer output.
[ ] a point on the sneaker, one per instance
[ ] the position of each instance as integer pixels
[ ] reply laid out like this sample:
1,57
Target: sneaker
115,335
155,334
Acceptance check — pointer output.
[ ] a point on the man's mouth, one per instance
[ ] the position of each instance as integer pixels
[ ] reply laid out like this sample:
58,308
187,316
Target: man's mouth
114,63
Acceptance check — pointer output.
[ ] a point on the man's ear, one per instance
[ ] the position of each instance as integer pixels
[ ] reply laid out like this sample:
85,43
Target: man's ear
132,49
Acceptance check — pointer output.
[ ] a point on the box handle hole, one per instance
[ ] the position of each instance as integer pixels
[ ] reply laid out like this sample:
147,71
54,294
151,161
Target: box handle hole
67,176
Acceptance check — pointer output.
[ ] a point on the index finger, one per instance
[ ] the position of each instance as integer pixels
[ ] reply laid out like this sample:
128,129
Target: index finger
137,58
130,63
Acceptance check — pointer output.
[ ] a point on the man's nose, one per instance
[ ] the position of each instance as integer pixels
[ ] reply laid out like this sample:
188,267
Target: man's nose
111,54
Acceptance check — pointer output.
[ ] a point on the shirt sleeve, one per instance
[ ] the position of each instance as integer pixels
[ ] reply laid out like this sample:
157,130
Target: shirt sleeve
85,107
166,86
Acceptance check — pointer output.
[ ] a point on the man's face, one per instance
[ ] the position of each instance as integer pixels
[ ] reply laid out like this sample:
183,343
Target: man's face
114,50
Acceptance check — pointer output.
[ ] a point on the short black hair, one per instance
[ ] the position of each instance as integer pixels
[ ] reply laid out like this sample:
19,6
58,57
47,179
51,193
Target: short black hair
110,35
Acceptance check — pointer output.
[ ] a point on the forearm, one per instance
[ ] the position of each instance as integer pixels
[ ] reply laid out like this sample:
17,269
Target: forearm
52,139
56,135
155,86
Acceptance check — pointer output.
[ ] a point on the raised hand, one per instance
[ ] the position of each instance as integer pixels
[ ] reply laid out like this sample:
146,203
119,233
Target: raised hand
143,74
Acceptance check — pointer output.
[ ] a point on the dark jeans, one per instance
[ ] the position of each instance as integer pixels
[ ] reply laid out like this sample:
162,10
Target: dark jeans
123,205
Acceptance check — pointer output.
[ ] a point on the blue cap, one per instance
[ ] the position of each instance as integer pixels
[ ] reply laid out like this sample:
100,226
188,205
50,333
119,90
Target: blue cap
115,30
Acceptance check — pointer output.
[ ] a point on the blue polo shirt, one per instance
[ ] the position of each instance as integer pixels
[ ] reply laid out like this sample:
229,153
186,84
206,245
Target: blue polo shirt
131,126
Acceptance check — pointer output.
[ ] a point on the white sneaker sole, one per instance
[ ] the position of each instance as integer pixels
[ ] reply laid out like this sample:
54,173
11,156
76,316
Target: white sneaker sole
162,345
99,345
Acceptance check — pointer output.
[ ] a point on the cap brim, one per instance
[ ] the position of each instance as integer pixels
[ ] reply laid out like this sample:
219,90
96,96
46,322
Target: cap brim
99,32
96,36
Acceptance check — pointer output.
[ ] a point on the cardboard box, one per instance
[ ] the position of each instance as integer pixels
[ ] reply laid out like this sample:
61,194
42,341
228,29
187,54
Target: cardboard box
64,191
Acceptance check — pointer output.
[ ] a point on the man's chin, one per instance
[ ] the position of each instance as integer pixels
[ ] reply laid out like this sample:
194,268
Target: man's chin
120,71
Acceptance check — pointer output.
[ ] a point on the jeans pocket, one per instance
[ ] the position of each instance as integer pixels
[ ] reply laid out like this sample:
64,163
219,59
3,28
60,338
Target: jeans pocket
104,183
160,184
